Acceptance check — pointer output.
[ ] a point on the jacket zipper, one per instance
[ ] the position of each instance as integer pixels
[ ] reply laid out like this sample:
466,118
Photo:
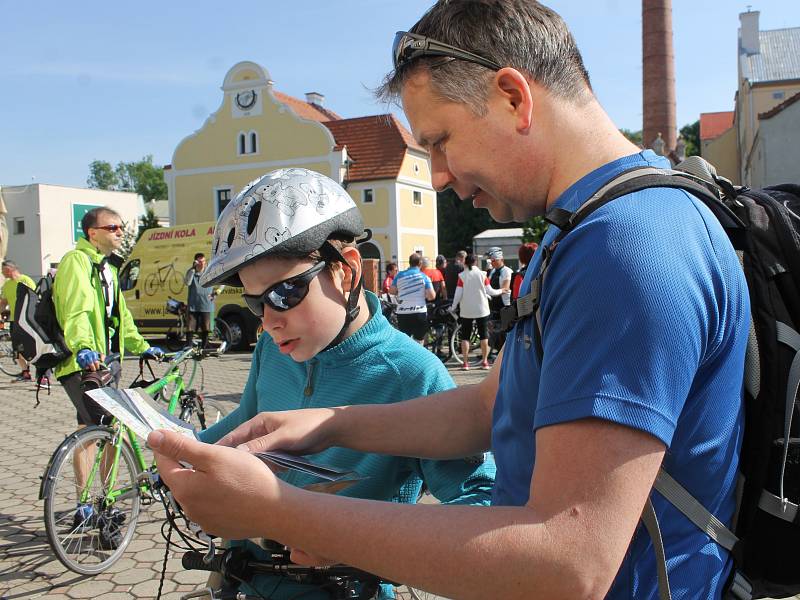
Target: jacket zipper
309,389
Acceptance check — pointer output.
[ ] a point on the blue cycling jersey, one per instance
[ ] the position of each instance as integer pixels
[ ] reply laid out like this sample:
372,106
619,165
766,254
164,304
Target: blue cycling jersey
645,318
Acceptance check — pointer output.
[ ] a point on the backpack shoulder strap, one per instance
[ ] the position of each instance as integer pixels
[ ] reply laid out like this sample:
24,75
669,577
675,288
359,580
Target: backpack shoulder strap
628,182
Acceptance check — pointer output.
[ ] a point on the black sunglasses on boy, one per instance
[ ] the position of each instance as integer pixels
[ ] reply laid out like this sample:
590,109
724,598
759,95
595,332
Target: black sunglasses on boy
284,295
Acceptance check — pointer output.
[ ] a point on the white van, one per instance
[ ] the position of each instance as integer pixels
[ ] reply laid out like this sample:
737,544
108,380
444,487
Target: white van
154,272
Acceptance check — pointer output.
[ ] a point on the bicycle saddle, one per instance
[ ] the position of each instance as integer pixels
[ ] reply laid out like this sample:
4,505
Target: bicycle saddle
91,380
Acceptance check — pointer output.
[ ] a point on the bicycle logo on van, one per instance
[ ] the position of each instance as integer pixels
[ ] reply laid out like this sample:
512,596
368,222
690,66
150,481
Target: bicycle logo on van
163,276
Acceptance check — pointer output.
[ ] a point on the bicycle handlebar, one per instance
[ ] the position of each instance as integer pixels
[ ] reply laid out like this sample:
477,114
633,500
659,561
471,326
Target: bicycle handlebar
235,563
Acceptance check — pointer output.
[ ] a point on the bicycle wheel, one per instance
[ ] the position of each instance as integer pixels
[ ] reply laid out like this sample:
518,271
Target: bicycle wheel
151,284
8,364
474,347
437,342
212,413
222,333
92,545
176,337
175,283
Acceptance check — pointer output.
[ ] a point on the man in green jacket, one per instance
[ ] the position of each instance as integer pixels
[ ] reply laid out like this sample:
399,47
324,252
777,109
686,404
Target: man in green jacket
96,322
8,301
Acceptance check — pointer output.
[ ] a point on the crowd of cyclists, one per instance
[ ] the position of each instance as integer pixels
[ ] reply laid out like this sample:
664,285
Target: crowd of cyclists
423,298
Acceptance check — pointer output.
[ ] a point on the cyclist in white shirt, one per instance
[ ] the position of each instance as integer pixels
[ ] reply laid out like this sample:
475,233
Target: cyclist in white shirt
413,290
472,296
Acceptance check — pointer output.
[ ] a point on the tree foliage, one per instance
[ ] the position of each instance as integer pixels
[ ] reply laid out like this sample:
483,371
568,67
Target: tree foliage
102,176
691,135
149,221
459,222
141,177
533,230
633,136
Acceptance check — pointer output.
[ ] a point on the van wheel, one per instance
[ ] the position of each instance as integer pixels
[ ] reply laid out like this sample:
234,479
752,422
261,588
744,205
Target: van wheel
238,339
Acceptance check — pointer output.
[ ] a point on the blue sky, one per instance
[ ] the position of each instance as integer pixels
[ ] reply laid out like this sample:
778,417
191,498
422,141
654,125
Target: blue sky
115,81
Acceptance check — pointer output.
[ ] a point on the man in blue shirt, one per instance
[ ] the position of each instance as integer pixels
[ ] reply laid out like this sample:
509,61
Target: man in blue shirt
413,290
644,320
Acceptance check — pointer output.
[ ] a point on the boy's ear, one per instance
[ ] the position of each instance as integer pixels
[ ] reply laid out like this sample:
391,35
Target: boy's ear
352,270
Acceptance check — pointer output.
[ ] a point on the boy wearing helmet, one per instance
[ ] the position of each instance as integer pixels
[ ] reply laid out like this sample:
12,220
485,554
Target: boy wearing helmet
289,239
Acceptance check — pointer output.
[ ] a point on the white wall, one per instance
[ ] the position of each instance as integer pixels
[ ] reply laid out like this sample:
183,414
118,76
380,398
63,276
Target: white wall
47,210
777,158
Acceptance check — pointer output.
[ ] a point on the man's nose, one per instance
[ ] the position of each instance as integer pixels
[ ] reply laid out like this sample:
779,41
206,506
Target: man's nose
441,177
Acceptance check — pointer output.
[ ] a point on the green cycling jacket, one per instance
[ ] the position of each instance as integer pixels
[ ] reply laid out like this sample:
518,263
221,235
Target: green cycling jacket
80,307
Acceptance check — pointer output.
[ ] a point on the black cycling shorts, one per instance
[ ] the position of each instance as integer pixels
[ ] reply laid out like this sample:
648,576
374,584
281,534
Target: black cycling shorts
88,411
466,327
414,324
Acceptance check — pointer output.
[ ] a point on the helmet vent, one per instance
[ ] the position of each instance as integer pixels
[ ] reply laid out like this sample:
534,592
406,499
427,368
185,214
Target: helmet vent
252,218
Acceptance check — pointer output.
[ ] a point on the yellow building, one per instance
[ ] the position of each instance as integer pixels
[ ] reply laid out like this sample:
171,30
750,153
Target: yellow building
769,76
258,129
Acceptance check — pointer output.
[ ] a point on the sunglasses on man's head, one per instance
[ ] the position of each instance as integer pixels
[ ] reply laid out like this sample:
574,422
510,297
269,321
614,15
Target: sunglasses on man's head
285,294
408,47
112,228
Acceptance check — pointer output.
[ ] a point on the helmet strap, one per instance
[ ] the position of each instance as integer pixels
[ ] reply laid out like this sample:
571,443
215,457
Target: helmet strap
352,309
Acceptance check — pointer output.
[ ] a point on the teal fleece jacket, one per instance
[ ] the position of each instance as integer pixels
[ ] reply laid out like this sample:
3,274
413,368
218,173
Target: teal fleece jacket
377,364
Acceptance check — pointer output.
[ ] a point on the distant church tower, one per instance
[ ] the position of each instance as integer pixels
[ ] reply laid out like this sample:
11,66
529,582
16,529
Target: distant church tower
659,130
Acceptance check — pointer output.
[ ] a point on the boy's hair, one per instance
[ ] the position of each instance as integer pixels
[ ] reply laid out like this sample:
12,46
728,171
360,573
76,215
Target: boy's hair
470,259
390,266
91,218
414,260
440,261
10,264
199,255
522,34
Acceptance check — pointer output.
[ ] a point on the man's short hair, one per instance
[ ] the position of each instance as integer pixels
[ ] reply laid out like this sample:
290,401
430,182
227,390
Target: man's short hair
522,34
425,262
199,255
461,254
91,218
440,261
414,260
390,266
10,264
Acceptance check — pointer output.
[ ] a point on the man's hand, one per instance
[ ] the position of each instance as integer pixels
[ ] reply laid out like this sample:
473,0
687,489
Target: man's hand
153,352
300,431
227,492
88,360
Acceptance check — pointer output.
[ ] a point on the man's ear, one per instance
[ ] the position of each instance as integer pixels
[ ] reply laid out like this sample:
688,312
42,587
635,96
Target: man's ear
352,270
515,92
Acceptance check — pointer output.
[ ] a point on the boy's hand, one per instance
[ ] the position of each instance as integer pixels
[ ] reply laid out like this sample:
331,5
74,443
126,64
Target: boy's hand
299,431
229,493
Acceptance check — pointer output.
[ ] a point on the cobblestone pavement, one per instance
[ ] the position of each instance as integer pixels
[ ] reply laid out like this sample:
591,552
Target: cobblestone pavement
28,436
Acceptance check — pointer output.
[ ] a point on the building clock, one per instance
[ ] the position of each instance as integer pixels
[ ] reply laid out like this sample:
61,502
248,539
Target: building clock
246,99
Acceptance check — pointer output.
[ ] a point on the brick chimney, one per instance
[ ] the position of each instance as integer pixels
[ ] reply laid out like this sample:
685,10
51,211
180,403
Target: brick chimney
748,33
658,61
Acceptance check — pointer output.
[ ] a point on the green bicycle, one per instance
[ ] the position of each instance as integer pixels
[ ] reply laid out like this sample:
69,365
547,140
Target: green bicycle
118,479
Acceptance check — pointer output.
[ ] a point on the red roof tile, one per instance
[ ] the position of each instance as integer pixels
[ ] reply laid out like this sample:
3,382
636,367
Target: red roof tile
376,145
712,125
303,109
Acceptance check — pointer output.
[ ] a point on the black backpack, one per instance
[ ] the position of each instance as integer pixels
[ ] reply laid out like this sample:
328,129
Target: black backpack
764,228
38,337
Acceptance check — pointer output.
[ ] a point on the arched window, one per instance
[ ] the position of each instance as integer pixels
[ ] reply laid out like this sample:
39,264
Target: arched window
242,140
253,142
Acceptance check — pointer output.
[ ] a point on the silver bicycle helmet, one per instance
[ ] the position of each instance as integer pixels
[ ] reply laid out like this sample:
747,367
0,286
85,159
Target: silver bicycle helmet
288,212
